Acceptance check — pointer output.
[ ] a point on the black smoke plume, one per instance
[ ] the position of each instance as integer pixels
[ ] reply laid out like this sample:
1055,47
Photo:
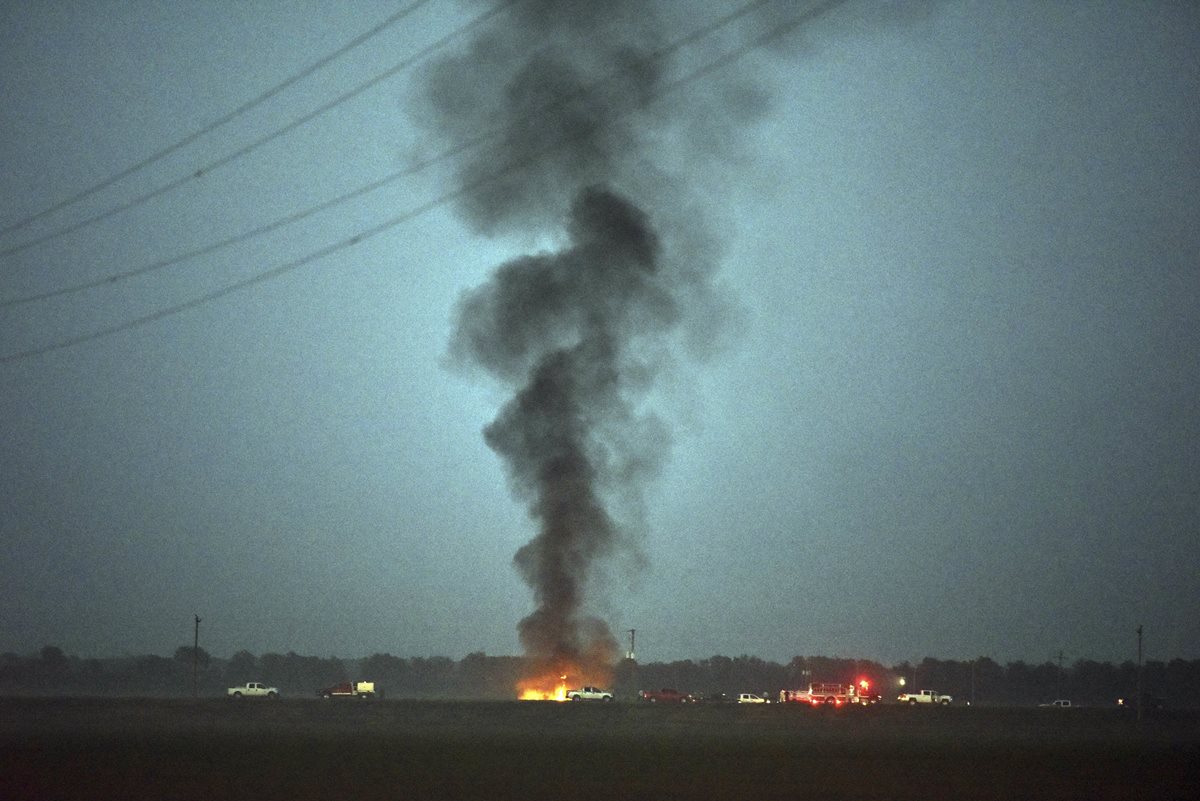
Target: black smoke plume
580,333
564,325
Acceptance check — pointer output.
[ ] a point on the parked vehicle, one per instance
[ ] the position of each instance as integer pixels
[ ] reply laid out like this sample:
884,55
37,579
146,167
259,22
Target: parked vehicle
589,694
664,696
819,694
750,698
831,694
1061,703
924,697
713,698
352,689
253,689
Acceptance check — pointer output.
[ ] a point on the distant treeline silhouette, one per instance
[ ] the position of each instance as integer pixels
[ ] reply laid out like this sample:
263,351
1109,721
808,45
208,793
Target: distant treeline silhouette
479,676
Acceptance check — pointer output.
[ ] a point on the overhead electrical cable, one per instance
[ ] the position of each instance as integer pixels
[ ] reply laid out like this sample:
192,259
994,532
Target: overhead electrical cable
269,137
703,71
462,147
215,124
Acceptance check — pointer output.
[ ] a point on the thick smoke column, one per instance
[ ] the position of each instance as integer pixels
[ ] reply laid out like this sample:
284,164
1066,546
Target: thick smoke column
578,333
565,322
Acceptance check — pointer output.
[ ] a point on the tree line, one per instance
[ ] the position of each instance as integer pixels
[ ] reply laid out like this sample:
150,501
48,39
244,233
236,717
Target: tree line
51,671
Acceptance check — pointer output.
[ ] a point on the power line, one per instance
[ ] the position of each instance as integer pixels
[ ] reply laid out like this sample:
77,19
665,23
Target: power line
462,147
215,246
215,124
269,137
701,72
724,60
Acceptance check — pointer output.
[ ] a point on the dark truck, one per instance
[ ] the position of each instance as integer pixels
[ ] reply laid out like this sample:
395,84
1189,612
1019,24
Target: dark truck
351,689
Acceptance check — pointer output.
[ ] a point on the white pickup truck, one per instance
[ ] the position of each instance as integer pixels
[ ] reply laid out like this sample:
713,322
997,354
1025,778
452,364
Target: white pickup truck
589,694
925,697
253,689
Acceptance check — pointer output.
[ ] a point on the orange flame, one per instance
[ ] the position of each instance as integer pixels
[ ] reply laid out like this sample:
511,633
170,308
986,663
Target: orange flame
545,688
551,683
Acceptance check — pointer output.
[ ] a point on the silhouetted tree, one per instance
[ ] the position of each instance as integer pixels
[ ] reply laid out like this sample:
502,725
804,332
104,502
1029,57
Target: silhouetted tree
159,673
272,669
304,675
989,681
1183,679
241,668
685,676
627,677
392,672
719,670
472,674
53,666
184,654
432,676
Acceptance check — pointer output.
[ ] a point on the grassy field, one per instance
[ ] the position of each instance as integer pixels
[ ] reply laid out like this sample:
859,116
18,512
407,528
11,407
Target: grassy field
312,749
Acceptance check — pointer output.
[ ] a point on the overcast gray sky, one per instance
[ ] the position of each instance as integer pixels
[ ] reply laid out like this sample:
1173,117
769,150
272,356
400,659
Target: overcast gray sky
953,413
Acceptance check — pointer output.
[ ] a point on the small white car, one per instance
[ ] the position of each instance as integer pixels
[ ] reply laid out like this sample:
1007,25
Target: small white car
751,698
1061,703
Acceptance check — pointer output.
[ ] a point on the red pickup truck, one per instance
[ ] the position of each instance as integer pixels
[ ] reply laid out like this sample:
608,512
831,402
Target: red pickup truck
664,696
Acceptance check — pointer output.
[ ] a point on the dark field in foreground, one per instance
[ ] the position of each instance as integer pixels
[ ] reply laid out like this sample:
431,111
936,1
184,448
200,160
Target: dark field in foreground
313,749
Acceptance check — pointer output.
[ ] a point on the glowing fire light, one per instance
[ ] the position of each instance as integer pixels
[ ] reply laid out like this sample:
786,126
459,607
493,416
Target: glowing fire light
535,690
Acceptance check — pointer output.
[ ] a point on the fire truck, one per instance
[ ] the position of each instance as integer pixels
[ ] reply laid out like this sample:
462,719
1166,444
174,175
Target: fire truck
830,694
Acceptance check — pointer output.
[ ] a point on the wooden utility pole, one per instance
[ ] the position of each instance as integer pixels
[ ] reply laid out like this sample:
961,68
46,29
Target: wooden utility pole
1139,674
196,659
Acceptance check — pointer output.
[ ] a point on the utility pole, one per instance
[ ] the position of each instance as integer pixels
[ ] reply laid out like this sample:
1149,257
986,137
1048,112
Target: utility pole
1139,674
195,659
1058,682
631,654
